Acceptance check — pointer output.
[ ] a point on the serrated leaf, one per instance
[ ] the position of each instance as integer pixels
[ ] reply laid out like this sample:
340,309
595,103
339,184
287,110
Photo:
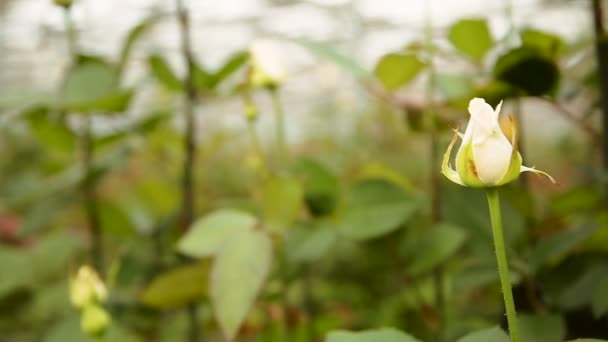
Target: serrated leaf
378,335
177,287
471,37
375,208
209,233
238,274
163,73
397,69
492,334
435,246
281,203
546,328
342,60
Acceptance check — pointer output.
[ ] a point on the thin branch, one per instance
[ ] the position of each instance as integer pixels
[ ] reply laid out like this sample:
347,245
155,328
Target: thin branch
89,194
188,181
601,48
572,118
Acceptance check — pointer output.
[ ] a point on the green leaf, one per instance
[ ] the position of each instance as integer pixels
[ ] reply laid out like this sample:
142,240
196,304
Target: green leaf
202,78
528,70
549,43
50,132
87,84
191,280
375,208
559,244
308,243
327,52
397,69
576,200
579,286
114,219
320,186
376,170
163,73
132,37
599,303
281,203
471,37
24,98
435,246
238,273
378,335
454,85
492,334
234,63
116,102
209,233
546,328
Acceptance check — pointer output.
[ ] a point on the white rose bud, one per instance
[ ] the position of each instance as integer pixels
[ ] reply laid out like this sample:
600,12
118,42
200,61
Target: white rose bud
486,157
267,64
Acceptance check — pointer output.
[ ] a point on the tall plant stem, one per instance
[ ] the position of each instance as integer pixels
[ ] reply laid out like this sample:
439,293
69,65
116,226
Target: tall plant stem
87,186
279,127
89,194
503,265
257,147
601,48
188,181
438,272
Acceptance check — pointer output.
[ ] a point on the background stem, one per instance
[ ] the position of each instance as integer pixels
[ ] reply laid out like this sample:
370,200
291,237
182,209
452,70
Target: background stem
188,181
279,127
438,272
87,186
90,197
601,49
503,265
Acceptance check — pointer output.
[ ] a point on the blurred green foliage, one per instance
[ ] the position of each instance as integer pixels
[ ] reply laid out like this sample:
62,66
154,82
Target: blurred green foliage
344,237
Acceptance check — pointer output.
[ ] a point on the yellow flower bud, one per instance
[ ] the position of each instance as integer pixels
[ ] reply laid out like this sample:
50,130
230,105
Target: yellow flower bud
87,288
486,157
94,320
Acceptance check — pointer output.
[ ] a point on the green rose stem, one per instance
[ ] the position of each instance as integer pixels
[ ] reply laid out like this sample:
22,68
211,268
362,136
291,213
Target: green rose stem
188,181
279,127
501,258
283,161
87,185
257,146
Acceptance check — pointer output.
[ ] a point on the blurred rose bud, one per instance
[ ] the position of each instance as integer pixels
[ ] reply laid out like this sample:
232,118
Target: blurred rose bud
87,288
94,320
267,64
